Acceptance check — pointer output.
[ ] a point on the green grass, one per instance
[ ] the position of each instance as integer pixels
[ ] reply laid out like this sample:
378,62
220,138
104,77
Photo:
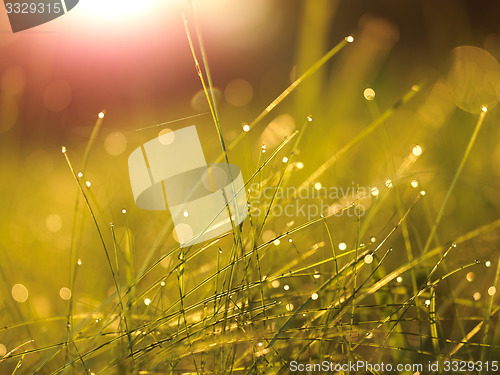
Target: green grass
222,307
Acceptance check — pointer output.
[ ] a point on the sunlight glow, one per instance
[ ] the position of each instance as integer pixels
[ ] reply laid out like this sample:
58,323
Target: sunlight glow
369,94
417,150
114,8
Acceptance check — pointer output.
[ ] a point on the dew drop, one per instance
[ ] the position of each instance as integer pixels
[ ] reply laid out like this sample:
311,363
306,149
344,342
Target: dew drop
369,94
417,150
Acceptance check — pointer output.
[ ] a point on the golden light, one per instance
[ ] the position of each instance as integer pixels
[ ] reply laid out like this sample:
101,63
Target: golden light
476,296
349,39
65,294
492,291
113,9
53,223
147,301
417,150
275,284
314,296
414,184
166,136
368,258
19,293
369,94
342,246
246,128
238,92
101,115
115,143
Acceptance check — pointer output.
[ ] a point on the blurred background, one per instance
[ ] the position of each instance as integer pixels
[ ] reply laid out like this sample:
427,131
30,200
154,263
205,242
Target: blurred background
132,61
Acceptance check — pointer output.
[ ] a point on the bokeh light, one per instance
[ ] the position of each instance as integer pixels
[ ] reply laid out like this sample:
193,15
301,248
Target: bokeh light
57,95
369,94
238,92
53,223
13,80
279,128
474,78
115,143
65,293
19,293
8,112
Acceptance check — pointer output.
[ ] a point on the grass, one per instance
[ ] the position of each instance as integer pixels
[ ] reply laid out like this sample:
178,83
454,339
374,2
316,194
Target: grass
276,288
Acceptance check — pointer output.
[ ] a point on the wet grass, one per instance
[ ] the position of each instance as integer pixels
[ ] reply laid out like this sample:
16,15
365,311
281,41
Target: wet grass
275,289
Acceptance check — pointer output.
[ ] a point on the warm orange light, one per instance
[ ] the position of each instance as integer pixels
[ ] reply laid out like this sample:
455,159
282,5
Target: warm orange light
113,8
